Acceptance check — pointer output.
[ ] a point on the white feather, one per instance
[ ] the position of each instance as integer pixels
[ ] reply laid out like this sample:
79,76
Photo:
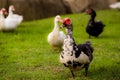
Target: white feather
1,20
115,5
83,58
56,37
11,22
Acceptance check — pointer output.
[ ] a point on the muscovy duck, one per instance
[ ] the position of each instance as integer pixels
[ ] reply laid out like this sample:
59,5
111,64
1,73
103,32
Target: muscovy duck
12,21
11,15
75,56
56,37
2,18
94,28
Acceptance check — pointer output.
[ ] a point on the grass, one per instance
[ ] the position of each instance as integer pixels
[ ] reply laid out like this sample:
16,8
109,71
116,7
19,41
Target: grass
26,55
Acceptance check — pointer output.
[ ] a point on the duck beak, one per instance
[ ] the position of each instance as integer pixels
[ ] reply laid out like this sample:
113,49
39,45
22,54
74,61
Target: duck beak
60,20
14,10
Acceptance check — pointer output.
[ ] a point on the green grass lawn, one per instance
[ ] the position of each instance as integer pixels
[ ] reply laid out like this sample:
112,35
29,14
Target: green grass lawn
26,55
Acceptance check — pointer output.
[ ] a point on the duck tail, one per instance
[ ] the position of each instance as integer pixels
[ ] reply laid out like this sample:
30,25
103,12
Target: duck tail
88,43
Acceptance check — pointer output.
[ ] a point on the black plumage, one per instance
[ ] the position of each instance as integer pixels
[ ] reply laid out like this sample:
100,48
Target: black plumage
86,48
94,28
75,56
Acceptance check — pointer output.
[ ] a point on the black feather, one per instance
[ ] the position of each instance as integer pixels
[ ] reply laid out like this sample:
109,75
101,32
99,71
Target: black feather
94,28
86,48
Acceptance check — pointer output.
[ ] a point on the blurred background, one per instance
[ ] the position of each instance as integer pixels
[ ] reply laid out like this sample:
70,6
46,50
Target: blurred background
38,9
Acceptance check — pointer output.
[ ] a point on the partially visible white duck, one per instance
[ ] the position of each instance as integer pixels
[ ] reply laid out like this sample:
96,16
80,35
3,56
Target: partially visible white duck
12,21
2,18
56,37
115,5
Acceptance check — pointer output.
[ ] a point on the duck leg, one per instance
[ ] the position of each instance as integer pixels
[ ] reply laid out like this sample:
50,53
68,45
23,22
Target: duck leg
86,69
72,73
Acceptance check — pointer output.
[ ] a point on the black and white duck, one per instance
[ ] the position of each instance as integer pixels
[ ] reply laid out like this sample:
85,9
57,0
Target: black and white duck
75,56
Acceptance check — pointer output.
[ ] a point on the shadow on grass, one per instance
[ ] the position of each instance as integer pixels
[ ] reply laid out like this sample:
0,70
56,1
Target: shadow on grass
108,37
105,73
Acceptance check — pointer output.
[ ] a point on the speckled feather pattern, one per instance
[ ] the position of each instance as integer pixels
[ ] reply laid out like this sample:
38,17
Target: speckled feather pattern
72,56
75,56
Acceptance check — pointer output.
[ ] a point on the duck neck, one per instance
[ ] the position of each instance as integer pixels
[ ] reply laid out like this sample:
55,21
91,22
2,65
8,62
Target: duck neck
93,15
92,19
56,27
69,30
69,40
10,12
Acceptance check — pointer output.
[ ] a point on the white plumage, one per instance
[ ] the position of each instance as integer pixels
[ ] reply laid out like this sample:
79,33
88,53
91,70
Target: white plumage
56,37
12,21
2,18
115,5
11,15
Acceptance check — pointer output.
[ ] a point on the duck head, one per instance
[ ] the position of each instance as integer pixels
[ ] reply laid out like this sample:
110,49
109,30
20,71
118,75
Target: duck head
58,18
66,22
11,7
4,11
90,11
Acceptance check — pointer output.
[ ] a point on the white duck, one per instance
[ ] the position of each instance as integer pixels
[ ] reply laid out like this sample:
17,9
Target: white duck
2,18
56,37
115,5
19,18
12,20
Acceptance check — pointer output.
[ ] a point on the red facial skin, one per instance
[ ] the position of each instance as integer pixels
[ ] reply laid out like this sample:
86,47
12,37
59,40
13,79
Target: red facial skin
88,11
4,11
66,21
